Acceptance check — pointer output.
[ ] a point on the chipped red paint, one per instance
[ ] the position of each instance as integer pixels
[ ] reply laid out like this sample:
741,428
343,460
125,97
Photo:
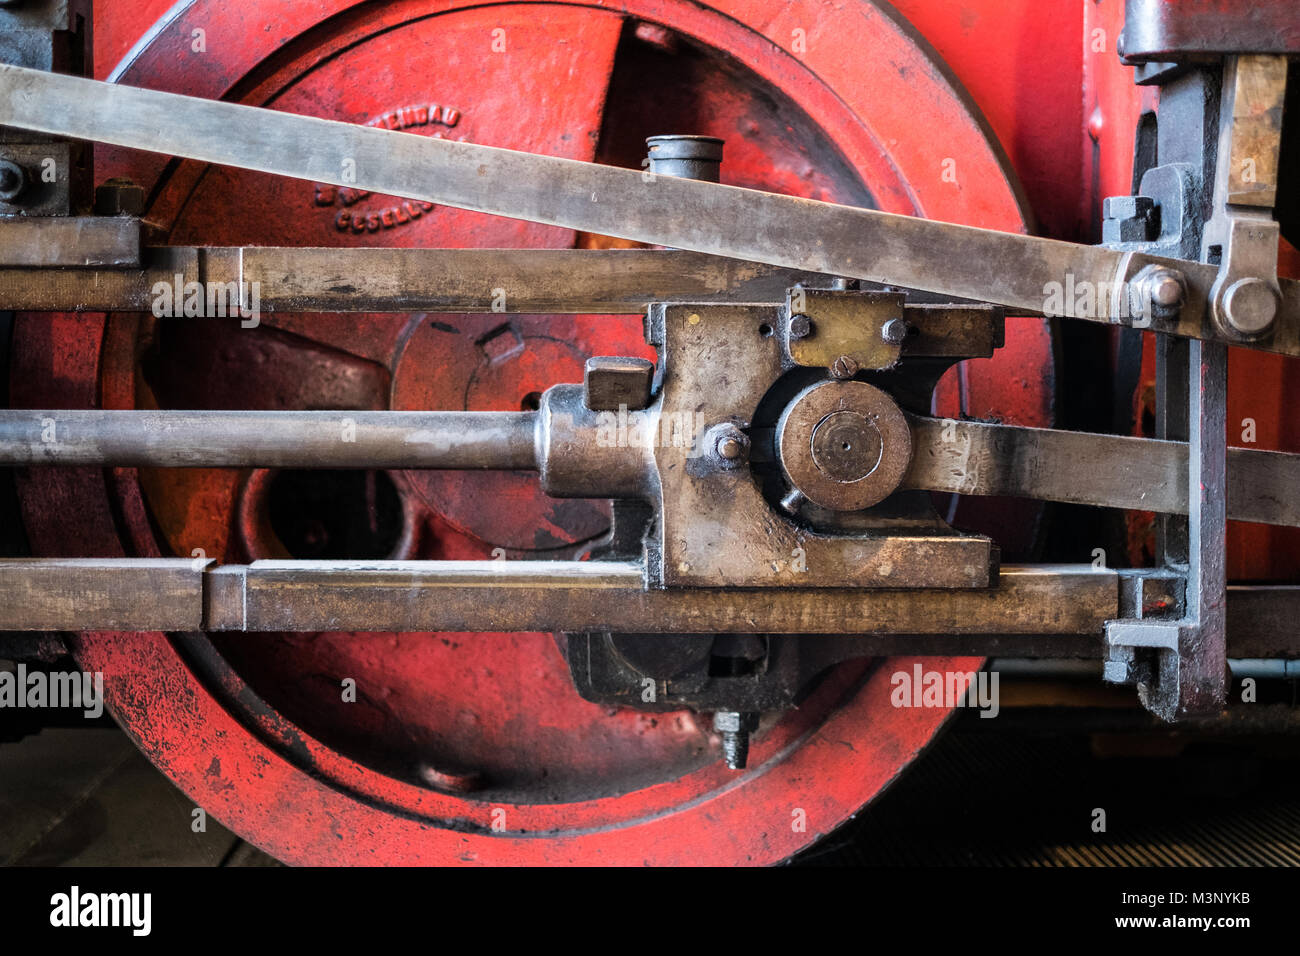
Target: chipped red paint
834,102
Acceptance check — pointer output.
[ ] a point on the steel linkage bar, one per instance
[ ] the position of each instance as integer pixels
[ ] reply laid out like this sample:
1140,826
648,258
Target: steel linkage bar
127,594
1006,269
545,281
1111,471
1033,611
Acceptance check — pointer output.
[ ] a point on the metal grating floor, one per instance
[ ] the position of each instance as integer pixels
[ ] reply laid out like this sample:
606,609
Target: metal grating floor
988,796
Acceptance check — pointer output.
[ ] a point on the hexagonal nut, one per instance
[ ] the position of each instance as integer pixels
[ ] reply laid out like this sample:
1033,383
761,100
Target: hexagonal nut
731,722
727,444
1126,230
1127,207
1128,219
1156,292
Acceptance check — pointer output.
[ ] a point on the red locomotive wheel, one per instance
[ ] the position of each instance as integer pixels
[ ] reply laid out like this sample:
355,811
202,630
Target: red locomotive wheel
475,747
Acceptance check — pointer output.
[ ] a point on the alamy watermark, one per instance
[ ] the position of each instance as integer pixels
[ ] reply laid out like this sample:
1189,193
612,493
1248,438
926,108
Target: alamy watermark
637,429
208,300
1107,301
130,910
72,690
922,688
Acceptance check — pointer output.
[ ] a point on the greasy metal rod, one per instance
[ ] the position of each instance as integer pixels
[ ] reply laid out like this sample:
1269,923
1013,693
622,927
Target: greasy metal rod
241,439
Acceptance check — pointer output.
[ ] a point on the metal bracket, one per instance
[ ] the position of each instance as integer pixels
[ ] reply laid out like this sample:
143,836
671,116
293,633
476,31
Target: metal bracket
1242,234
1188,676
843,330
716,524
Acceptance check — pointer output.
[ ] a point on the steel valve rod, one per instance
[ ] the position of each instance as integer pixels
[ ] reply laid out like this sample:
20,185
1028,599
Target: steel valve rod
976,459
261,439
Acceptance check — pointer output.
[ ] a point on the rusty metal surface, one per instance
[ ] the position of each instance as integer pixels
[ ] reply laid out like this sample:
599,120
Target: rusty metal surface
611,382
1258,94
65,594
530,280
973,458
1034,611
45,186
514,281
1242,234
844,445
497,281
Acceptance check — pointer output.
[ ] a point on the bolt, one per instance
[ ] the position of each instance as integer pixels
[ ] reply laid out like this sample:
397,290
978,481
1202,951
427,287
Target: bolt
792,502
1250,306
735,728
1166,289
894,331
1156,292
13,180
731,448
800,326
729,445
844,367
655,35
